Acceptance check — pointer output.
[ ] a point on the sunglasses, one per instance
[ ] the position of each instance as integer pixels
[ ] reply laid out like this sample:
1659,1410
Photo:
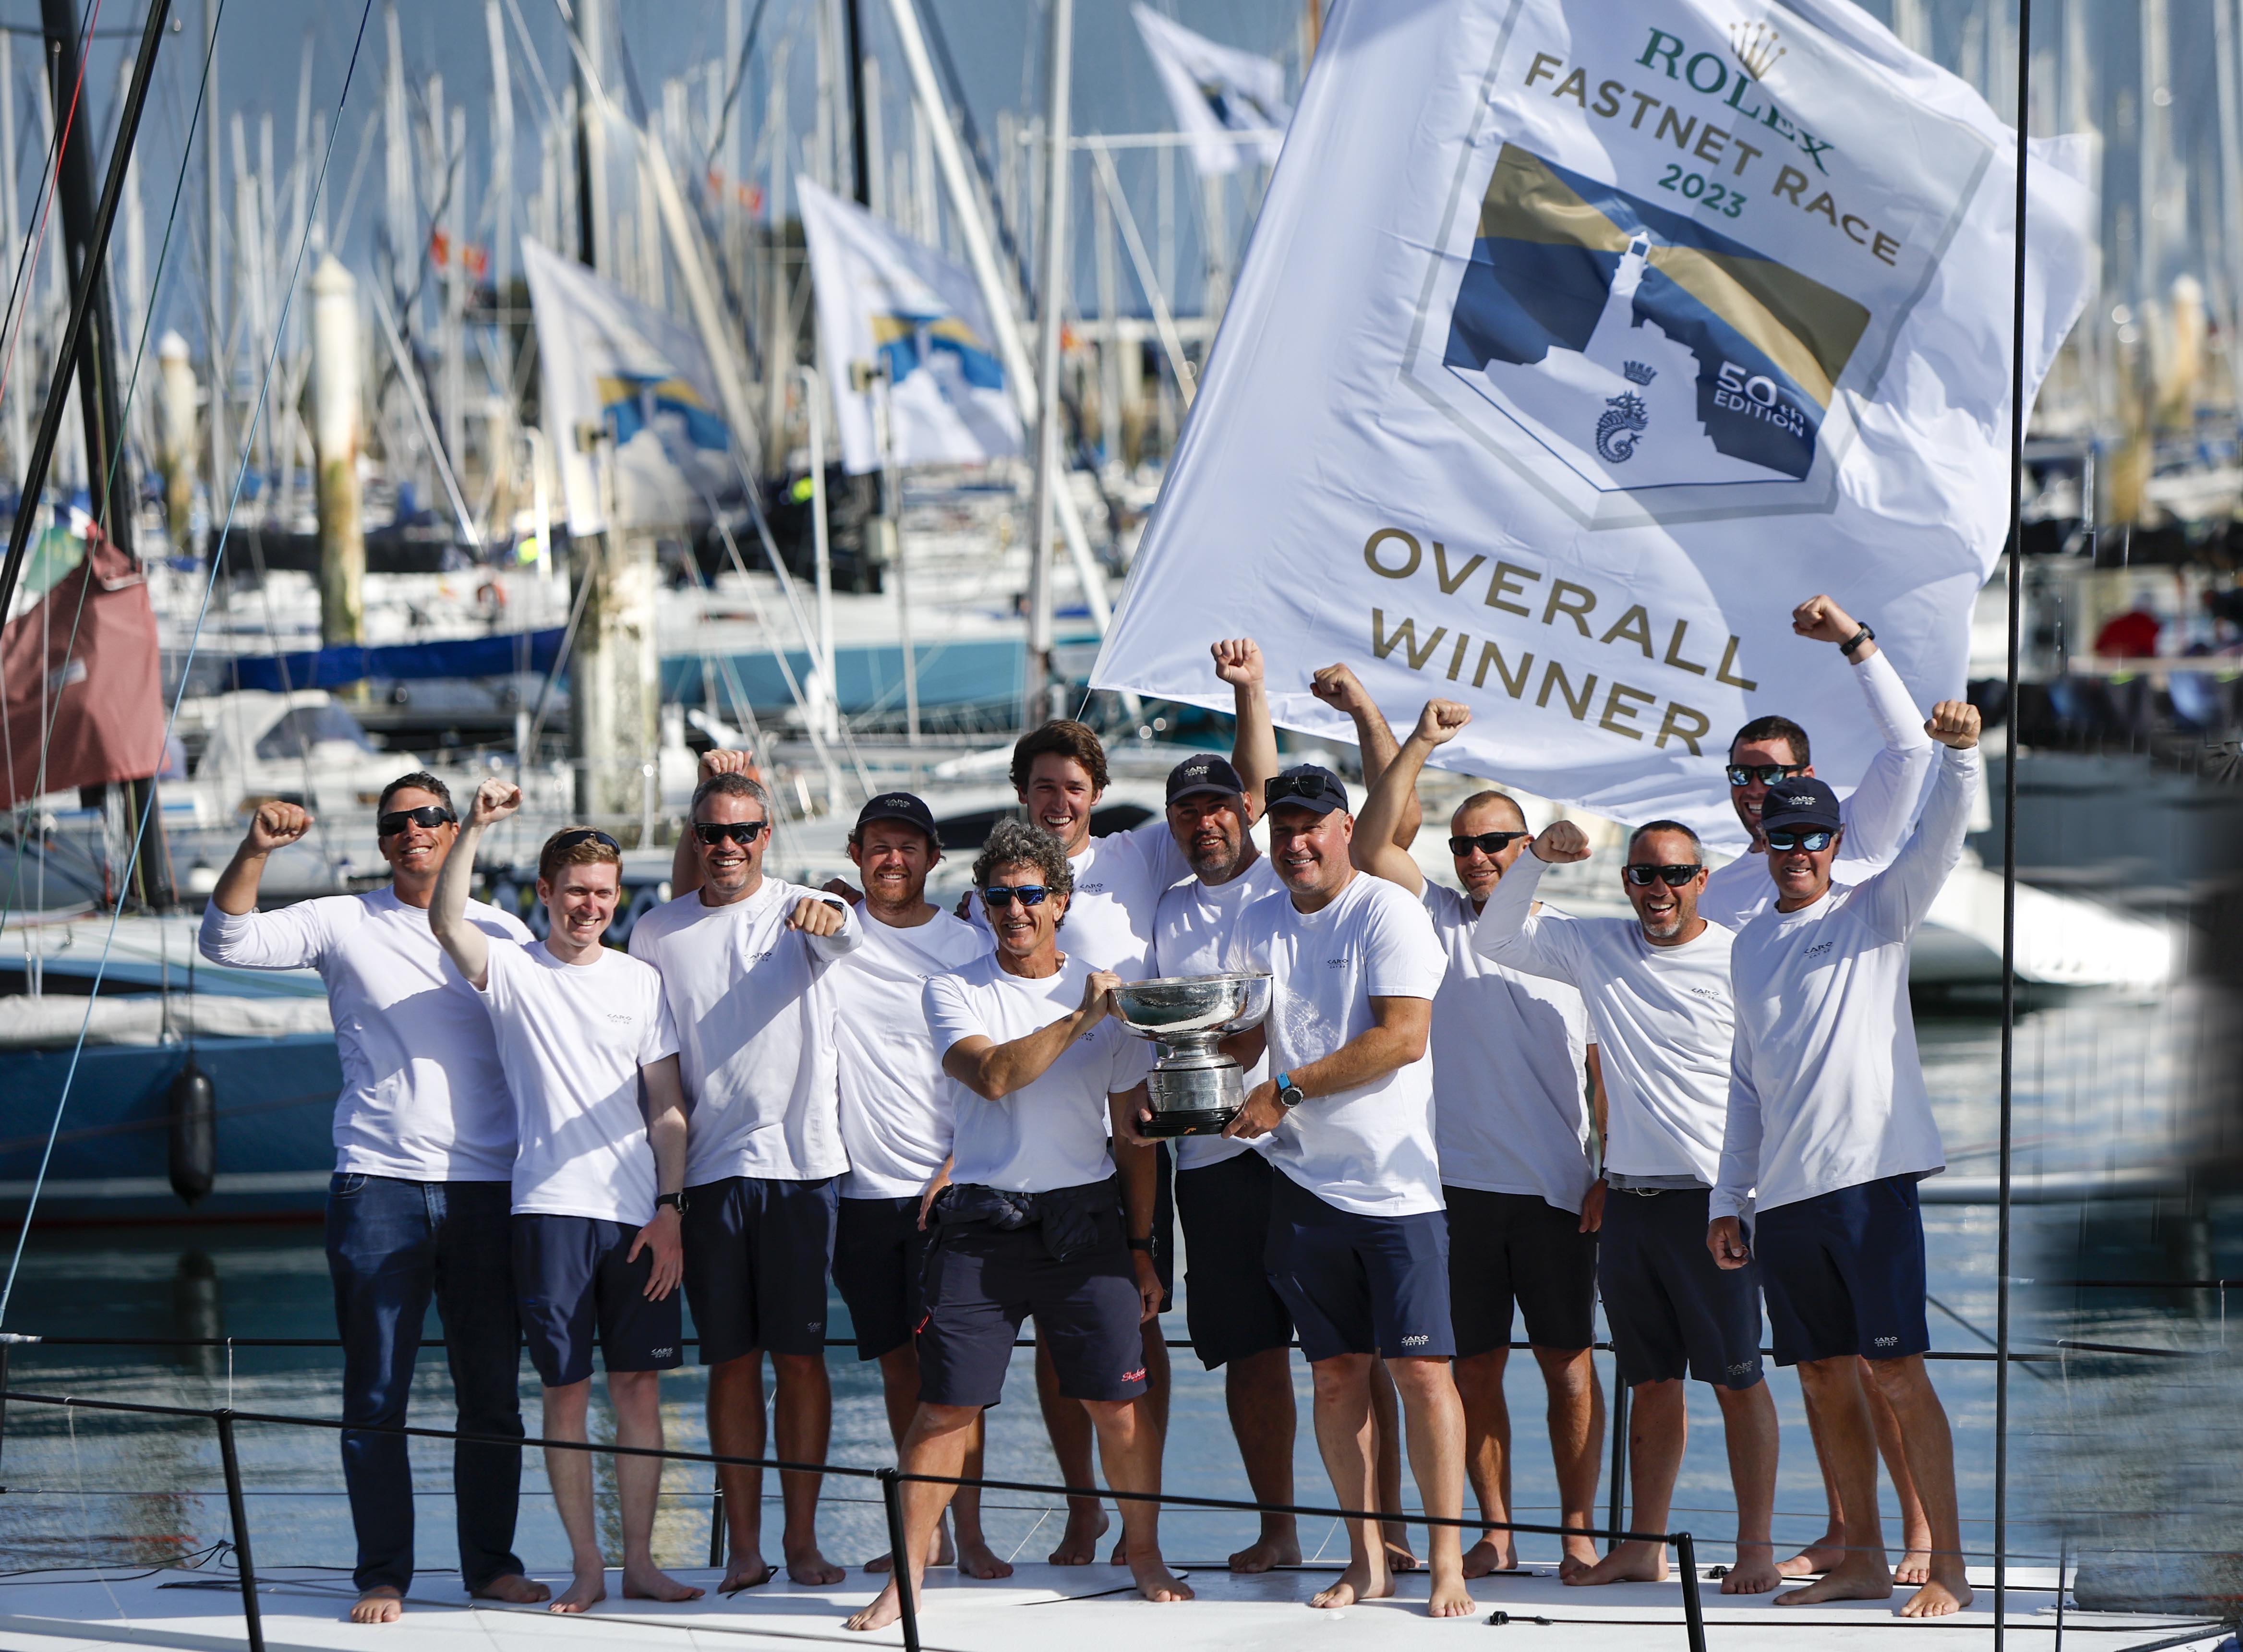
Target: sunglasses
1766,773
1308,788
1814,842
1485,842
585,834
1029,895
428,817
742,833
1672,877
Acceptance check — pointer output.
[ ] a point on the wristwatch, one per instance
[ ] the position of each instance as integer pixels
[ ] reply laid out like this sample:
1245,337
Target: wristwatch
676,1201
1864,635
1290,1094
1145,1244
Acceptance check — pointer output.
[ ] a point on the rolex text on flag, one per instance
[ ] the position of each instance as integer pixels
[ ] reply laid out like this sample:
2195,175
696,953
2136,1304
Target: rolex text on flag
1577,344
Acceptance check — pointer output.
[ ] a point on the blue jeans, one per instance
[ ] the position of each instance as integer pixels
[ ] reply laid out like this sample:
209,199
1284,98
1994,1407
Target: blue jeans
391,1244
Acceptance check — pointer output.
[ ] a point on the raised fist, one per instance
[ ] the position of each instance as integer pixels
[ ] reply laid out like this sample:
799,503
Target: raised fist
1441,721
495,801
815,917
1822,621
1338,687
277,825
1561,843
1954,723
1238,662
719,761
1098,993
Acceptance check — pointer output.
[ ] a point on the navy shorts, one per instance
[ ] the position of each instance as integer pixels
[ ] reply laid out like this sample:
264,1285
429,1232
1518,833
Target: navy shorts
1845,1274
982,1282
1358,1284
570,1282
1514,1247
880,1252
1673,1310
1231,1310
1164,1224
757,1252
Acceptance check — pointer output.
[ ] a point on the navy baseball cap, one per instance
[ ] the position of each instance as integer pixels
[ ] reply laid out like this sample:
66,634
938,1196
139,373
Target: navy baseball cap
1801,802
1204,772
1305,787
897,805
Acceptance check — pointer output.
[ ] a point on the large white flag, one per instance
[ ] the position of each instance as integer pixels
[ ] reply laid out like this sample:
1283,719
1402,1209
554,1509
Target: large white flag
1217,90
1580,339
884,297
609,363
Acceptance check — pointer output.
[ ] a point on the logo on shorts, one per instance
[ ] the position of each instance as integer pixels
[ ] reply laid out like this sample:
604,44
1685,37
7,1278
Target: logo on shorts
1744,1367
1887,1342
1415,1342
658,1354
1137,1375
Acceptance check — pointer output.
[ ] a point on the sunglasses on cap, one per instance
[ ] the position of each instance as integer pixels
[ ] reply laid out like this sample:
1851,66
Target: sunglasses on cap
1309,788
1672,877
1487,842
427,817
1029,895
1813,842
742,833
585,834
1766,773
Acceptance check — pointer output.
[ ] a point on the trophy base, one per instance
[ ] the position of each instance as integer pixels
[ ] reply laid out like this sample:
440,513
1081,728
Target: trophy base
1193,1100
1209,1121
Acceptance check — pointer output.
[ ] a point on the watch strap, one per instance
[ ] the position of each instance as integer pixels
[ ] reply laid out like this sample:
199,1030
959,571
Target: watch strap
1145,1244
1864,635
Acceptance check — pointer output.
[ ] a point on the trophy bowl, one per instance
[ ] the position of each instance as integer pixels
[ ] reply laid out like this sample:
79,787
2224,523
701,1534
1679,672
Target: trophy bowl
1195,1090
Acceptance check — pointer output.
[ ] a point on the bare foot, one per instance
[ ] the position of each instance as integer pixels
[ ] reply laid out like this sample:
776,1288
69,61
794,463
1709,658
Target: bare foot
1915,1561
381,1604
514,1588
1753,1571
1824,1553
586,1592
746,1572
1078,1545
1361,1582
1268,1552
647,1581
1629,1563
977,1559
1863,1577
1155,1580
1400,1557
883,1611
1580,1555
812,1570
1449,1598
1939,1597
1489,1555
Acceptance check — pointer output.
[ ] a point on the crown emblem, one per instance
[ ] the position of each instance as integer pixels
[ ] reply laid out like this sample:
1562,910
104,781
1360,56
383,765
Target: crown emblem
1638,374
1755,46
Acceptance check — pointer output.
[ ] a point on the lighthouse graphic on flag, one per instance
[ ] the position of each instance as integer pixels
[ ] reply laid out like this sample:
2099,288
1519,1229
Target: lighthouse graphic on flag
1638,345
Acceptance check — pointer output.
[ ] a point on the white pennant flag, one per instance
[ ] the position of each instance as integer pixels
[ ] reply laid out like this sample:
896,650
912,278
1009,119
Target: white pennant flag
609,364
1216,90
884,297
1579,341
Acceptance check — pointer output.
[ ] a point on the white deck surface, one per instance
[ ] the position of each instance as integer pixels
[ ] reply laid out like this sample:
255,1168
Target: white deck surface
1083,1610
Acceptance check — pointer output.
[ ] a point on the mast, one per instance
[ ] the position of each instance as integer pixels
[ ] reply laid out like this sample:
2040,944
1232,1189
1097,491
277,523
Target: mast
860,154
221,378
1037,679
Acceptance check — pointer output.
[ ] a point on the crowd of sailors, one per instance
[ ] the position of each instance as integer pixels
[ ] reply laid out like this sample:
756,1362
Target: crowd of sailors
1462,1101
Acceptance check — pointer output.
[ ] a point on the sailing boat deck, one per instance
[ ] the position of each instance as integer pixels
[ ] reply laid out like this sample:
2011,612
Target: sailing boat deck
1090,1609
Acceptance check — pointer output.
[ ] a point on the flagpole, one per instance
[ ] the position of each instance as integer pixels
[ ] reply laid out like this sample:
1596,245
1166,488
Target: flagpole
2009,844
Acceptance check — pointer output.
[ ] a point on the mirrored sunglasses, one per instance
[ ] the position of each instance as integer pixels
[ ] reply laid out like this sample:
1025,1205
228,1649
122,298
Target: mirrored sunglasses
1029,895
1785,842
586,834
1766,773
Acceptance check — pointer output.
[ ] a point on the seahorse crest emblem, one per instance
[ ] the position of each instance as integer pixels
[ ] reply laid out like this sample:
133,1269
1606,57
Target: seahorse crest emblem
1625,417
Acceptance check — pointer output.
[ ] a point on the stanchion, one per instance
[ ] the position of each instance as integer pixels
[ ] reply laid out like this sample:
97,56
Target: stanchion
1693,1612
1618,1503
716,1525
898,1557
241,1513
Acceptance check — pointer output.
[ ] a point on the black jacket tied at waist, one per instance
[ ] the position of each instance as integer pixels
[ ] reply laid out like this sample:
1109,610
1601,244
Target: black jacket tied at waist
1069,1216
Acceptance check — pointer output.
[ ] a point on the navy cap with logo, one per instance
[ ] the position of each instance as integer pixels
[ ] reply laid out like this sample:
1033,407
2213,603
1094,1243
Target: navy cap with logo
1305,787
897,805
1204,772
1801,802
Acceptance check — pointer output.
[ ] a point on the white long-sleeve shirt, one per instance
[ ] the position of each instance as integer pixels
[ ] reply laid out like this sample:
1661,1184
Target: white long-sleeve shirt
424,1096
1876,813
1662,1017
1825,1090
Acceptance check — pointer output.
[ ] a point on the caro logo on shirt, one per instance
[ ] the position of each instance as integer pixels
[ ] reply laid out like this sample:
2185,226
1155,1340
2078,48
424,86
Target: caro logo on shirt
1818,950
1715,992
1091,889
1340,962
621,1017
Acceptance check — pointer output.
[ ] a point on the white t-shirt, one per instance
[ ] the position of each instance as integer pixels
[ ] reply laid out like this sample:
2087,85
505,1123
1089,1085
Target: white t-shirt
755,1010
1194,933
1509,1081
895,1100
1876,813
1118,879
1368,1150
573,1038
1663,1018
1826,1091
1054,1132
423,1098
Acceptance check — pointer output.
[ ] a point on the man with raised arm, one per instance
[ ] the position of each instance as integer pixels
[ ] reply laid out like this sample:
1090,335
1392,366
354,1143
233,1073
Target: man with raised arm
1513,1069
1046,1214
424,1149
1657,989
583,1036
1357,1245
745,964
1829,1130
897,1105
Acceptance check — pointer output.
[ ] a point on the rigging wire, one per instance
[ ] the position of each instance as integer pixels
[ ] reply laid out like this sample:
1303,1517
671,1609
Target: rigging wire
233,501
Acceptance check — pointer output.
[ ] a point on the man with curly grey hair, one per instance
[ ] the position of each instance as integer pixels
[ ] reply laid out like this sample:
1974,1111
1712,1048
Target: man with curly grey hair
1046,1213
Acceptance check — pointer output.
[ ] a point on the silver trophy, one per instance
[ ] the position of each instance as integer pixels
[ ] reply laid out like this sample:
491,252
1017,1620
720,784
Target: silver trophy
1196,1088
